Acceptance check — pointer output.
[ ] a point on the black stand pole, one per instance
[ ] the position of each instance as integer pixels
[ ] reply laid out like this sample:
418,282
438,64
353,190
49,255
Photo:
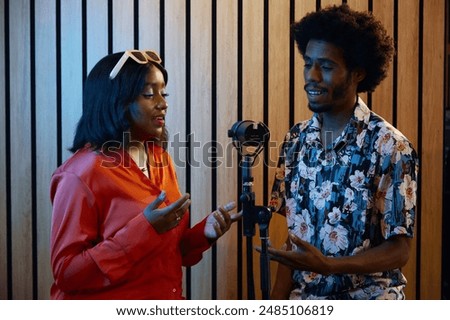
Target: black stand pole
263,220
255,214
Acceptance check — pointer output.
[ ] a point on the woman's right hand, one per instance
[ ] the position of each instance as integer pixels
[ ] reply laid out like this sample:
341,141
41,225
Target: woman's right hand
168,217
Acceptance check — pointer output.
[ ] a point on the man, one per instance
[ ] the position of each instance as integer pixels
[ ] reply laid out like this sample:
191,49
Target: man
346,179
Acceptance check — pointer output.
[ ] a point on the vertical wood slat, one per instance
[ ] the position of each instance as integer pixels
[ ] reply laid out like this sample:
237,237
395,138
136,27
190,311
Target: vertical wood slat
227,77
326,3
432,146
3,173
360,5
201,129
407,103
382,104
149,25
252,106
175,63
123,25
279,55
253,73
301,111
97,31
46,133
20,117
71,71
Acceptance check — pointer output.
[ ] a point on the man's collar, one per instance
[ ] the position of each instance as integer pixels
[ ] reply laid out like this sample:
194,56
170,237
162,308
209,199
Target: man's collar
361,113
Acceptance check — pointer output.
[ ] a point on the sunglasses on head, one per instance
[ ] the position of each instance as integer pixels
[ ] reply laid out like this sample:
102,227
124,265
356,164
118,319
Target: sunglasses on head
140,56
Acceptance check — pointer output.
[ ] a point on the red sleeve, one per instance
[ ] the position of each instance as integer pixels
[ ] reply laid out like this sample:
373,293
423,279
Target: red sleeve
80,260
194,243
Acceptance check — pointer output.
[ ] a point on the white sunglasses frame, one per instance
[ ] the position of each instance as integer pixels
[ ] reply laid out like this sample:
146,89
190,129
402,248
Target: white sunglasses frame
129,54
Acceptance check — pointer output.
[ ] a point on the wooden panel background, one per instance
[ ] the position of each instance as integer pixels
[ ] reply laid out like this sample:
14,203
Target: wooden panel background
228,60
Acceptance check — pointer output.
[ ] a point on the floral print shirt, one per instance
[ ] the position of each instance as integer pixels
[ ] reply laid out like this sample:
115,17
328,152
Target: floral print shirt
346,199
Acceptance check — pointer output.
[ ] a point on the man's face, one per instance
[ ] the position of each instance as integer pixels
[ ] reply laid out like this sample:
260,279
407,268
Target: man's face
329,85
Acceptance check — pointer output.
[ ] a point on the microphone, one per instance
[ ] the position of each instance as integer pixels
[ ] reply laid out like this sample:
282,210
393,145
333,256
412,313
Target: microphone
249,137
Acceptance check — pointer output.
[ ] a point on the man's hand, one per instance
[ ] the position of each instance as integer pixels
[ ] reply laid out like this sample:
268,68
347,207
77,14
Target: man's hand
304,257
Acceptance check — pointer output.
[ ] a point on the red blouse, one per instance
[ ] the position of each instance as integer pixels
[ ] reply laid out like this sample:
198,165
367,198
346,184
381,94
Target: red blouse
102,246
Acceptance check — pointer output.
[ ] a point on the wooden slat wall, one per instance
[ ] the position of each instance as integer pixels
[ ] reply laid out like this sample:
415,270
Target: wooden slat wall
407,101
431,142
228,60
225,174
175,59
4,226
201,128
382,101
45,136
278,106
252,106
21,151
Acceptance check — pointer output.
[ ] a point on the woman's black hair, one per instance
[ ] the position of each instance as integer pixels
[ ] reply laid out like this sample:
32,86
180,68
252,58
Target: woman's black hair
106,102
363,39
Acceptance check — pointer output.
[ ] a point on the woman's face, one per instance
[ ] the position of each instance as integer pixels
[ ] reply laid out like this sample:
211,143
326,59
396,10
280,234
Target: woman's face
148,113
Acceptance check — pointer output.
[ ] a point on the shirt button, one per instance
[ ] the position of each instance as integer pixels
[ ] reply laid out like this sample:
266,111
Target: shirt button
174,290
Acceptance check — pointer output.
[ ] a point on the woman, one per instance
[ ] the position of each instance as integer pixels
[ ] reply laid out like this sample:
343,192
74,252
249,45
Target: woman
120,226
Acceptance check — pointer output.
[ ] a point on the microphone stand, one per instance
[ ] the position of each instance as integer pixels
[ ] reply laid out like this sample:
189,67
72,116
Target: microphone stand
249,138
255,214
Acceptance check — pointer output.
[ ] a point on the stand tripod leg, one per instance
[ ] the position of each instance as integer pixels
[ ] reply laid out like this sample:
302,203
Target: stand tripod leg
265,271
250,280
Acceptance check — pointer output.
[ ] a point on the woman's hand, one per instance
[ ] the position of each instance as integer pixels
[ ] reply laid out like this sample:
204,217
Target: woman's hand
169,217
219,221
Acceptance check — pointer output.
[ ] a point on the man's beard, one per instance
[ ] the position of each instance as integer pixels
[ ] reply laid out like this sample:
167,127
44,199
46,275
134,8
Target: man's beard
339,92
